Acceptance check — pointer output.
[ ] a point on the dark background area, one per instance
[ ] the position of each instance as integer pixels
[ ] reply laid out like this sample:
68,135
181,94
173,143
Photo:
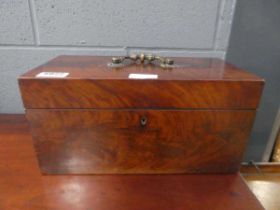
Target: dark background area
255,46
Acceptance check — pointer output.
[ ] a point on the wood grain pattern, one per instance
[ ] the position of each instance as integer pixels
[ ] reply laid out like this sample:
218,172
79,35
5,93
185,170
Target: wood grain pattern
195,83
102,94
11,122
114,141
23,187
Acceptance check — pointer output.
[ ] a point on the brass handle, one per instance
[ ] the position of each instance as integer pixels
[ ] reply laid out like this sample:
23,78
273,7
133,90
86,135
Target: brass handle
163,62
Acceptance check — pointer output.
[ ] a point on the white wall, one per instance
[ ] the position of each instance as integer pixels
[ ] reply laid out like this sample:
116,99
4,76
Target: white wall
34,31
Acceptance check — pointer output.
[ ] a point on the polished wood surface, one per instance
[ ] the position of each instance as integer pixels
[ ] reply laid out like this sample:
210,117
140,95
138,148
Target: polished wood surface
23,187
10,123
194,83
105,141
95,67
199,116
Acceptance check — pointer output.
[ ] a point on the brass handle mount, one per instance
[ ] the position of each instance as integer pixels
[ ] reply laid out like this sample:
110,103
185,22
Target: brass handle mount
163,62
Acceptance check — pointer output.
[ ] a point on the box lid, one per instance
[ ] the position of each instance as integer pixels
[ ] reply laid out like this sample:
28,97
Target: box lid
89,82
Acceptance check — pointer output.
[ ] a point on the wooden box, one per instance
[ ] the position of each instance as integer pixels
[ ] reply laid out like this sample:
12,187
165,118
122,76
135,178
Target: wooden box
139,118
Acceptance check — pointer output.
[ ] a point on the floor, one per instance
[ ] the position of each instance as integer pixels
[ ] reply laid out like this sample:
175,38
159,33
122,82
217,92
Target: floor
22,186
264,181
266,187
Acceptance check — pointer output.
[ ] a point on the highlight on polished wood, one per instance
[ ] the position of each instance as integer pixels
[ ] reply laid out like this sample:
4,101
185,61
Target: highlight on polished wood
23,187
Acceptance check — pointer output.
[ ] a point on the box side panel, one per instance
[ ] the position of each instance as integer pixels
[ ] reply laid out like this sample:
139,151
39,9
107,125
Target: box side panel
140,142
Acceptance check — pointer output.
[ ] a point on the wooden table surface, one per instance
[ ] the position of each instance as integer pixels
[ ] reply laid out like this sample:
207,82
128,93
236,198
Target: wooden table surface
23,187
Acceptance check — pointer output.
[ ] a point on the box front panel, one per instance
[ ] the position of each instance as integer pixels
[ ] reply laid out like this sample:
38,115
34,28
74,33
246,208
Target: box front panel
92,141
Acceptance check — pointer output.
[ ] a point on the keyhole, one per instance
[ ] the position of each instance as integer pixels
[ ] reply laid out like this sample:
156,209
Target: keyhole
143,121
